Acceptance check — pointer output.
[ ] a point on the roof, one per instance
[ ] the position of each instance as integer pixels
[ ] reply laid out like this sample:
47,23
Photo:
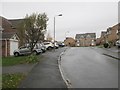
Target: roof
8,30
8,35
16,22
6,25
78,36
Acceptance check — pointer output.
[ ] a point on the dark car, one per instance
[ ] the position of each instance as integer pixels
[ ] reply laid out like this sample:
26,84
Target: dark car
61,44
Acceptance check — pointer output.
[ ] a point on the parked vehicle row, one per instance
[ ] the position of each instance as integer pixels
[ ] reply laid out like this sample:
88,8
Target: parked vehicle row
118,43
39,48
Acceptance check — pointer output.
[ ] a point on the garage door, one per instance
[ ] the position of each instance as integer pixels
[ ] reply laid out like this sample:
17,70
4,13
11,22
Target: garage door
13,46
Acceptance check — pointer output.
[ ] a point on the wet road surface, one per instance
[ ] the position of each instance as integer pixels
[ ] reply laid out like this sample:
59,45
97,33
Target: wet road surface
87,68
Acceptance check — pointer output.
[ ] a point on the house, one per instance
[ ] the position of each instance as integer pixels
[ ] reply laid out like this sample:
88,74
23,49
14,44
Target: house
69,41
103,37
118,33
86,39
18,25
9,38
111,35
98,41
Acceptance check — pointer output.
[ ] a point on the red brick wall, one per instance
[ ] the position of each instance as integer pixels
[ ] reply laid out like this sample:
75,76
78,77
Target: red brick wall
4,48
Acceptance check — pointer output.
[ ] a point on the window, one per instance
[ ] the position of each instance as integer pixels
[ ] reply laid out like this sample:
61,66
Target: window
88,36
116,31
46,43
82,36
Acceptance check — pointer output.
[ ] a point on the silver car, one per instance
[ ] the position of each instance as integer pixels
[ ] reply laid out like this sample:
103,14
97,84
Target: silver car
26,50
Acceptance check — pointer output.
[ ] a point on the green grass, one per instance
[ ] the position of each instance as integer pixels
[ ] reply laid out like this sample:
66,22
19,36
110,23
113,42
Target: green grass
100,46
10,61
12,80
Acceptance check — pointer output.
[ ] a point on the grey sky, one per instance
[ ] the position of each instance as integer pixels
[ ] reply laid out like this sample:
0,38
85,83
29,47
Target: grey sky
78,17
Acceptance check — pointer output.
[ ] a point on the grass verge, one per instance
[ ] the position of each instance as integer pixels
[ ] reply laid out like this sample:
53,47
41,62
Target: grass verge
9,61
12,80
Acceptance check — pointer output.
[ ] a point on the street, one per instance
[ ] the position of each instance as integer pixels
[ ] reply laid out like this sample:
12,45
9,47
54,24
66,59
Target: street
86,67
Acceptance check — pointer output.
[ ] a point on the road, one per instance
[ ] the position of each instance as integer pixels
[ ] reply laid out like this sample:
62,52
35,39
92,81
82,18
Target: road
86,67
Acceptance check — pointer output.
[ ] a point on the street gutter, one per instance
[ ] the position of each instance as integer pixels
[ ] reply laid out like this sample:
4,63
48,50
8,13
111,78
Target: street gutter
65,79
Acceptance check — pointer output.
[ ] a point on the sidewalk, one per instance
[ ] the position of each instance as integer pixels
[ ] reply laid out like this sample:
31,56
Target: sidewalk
22,68
113,52
46,73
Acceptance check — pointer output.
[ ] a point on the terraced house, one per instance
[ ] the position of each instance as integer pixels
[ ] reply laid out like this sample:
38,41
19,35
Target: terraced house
111,35
87,39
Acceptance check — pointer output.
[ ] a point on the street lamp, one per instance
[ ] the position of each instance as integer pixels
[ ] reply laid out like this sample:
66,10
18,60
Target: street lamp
54,28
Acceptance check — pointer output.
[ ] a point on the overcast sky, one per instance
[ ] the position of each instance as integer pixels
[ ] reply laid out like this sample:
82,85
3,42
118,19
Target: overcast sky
78,17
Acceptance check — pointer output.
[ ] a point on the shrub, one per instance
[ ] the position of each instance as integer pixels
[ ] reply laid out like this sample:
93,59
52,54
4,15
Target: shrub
106,45
32,59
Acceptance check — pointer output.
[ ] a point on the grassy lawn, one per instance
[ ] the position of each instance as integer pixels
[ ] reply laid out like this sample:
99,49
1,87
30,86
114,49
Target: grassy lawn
9,61
12,80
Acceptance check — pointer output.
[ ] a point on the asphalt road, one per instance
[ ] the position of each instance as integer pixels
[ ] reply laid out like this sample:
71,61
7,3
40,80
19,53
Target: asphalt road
46,73
87,68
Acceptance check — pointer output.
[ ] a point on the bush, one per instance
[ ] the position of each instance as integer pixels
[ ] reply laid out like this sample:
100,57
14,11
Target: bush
106,45
32,59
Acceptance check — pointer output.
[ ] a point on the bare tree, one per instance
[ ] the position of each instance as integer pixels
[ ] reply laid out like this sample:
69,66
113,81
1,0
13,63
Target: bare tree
34,25
49,38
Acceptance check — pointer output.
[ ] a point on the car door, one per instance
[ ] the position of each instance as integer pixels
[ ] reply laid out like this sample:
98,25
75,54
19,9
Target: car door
24,50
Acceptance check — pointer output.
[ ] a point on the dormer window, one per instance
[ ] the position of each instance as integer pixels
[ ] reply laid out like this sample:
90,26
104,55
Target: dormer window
82,36
88,36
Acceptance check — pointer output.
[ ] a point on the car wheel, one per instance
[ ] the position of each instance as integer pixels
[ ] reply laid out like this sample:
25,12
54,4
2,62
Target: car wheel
49,48
16,54
43,51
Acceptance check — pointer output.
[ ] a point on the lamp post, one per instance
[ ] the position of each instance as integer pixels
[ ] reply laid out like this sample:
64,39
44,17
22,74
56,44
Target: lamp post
54,28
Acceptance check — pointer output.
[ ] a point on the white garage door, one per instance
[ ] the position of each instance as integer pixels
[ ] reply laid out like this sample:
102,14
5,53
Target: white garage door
13,46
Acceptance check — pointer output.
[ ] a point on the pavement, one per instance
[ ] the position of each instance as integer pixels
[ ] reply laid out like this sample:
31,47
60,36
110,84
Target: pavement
22,68
113,52
46,73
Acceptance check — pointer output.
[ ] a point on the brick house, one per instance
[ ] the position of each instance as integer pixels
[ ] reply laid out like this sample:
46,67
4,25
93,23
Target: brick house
69,41
111,35
103,37
87,39
98,41
9,38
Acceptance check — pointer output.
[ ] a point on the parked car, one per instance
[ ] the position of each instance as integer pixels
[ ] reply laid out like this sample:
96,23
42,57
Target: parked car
118,43
40,46
61,44
43,48
48,45
26,50
56,45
